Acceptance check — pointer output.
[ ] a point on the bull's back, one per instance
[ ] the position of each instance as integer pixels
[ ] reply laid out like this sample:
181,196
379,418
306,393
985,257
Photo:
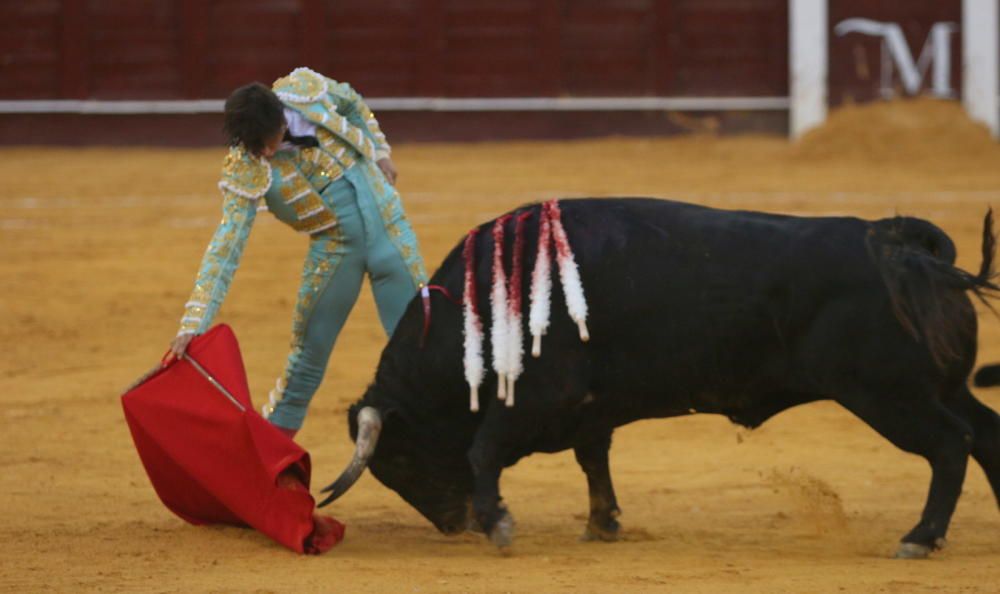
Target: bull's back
713,306
688,303
663,260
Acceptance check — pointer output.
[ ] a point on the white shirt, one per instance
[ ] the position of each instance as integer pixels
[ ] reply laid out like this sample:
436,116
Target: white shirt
298,125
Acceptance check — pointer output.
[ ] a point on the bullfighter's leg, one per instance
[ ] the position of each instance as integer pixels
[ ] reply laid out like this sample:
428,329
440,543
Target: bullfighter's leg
388,236
393,286
331,281
593,459
985,423
924,427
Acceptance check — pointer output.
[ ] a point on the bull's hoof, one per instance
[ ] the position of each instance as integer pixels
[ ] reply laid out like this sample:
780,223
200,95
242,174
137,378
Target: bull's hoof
474,526
594,532
502,534
912,550
471,523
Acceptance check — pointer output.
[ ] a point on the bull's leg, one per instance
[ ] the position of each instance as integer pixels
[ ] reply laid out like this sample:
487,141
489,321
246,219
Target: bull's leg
924,427
985,425
593,459
487,505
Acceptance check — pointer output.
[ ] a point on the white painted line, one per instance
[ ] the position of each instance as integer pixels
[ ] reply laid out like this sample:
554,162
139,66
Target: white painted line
111,107
437,104
581,104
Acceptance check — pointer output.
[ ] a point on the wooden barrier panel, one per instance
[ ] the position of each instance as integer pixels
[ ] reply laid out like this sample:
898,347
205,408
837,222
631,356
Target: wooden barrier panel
133,49
168,49
191,49
30,49
728,47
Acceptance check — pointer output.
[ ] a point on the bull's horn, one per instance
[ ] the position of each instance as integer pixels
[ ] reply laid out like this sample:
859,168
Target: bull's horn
369,427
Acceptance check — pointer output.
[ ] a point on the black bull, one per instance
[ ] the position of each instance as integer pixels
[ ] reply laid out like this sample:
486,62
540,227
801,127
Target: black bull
692,309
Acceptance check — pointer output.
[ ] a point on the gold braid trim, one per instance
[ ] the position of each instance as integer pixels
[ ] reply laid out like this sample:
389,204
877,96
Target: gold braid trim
302,85
245,174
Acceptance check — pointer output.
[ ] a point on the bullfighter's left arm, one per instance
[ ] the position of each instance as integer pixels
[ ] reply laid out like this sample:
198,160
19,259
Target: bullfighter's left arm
353,103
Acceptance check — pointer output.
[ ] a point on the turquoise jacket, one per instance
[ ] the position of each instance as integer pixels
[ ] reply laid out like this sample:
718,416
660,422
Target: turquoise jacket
290,184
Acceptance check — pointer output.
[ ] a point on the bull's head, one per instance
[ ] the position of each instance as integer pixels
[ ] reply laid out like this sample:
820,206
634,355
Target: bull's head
436,481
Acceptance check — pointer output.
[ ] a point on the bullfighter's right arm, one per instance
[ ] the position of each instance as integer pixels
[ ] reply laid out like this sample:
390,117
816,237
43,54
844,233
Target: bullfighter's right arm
244,180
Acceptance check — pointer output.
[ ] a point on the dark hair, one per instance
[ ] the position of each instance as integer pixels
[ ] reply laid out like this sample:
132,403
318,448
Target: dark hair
253,115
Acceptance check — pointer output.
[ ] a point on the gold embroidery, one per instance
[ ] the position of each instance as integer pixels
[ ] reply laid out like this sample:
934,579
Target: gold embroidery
337,125
296,190
245,174
302,85
387,213
307,161
320,265
336,152
320,222
308,206
199,294
283,161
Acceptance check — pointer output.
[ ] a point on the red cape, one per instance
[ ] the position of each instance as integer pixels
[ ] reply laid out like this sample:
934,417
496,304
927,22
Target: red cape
212,459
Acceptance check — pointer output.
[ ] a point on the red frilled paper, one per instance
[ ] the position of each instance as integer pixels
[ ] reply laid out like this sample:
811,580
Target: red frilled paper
212,459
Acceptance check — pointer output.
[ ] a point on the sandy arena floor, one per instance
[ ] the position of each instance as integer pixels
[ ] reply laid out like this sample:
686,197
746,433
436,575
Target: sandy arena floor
100,248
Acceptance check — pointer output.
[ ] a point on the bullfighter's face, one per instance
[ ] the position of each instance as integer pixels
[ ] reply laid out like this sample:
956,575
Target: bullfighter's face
273,143
435,481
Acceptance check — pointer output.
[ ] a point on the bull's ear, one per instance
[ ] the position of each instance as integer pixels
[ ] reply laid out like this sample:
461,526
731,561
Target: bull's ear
393,423
390,414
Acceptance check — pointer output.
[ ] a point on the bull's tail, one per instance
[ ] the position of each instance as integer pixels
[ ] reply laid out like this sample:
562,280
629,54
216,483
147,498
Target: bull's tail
922,234
988,375
916,261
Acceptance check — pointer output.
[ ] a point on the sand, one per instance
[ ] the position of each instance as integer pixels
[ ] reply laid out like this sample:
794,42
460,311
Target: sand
100,248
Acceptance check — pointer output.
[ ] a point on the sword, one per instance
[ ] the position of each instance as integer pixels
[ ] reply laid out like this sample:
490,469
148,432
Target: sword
213,381
197,367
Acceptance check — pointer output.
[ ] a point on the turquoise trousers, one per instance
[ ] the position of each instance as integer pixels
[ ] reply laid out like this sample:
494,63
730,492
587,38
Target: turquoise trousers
335,267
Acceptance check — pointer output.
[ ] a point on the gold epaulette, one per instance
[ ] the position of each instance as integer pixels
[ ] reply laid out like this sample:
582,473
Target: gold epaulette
244,174
302,85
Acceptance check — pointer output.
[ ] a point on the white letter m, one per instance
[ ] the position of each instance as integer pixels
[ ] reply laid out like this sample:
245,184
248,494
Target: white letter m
937,49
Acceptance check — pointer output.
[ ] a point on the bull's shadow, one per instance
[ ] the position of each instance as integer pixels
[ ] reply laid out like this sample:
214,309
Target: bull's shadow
691,309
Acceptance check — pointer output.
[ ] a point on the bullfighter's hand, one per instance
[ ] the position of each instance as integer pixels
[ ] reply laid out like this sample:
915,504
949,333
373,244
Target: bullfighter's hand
179,344
387,167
